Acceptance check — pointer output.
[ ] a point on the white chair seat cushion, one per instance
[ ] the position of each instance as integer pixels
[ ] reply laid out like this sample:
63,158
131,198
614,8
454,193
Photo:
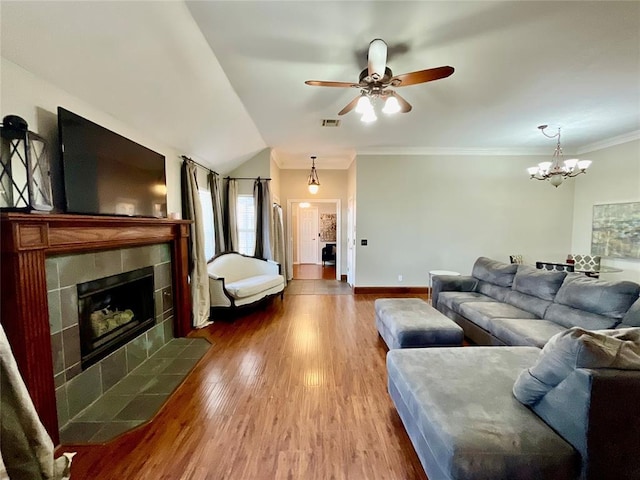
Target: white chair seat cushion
253,285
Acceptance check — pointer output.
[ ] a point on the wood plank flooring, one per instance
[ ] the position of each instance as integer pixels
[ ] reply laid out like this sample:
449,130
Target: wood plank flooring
296,391
311,271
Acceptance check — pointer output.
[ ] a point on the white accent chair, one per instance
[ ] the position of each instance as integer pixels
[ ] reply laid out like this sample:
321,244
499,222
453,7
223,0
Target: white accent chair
236,280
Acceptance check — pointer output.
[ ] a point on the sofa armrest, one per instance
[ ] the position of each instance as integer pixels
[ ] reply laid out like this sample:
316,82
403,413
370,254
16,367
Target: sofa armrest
217,293
277,267
597,411
451,283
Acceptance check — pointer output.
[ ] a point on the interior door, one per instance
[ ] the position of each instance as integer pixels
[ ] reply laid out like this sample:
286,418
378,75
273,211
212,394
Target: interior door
308,235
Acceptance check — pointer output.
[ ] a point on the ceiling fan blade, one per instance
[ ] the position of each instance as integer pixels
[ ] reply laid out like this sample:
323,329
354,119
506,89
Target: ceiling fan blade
404,105
377,59
350,106
421,76
320,83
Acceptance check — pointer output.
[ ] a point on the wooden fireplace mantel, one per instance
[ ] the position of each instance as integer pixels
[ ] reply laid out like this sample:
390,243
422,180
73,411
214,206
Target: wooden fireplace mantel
26,240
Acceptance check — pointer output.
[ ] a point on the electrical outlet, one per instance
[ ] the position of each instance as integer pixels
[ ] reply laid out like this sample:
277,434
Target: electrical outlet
399,278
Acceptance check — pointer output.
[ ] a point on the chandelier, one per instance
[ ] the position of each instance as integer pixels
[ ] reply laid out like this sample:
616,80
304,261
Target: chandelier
558,168
312,182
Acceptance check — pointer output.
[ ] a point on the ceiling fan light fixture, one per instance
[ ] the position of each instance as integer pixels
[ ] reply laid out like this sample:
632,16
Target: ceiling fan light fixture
391,105
369,116
364,104
313,183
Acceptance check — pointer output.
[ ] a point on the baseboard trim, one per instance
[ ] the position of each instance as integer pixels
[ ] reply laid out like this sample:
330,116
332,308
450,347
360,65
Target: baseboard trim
378,290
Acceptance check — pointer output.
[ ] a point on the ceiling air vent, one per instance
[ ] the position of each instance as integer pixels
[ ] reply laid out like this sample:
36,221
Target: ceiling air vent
329,122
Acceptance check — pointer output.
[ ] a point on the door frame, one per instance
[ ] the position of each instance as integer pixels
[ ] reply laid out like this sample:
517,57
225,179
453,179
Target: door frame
338,204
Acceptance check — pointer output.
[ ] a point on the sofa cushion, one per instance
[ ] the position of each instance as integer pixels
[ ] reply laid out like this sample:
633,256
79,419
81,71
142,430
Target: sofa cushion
525,332
453,300
577,348
529,303
493,291
572,317
253,285
611,299
632,317
538,283
481,313
460,401
494,272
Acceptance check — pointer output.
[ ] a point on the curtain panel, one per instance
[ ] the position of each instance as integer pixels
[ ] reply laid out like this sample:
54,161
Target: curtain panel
279,254
200,302
231,218
216,201
262,202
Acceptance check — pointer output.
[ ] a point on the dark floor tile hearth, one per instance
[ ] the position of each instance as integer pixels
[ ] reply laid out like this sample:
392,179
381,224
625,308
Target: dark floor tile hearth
136,398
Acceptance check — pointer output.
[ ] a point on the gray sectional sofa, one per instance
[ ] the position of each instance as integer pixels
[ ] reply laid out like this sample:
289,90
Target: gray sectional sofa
510,410
510,304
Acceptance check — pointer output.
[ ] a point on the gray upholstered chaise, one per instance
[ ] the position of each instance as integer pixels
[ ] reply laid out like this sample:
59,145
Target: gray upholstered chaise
458,409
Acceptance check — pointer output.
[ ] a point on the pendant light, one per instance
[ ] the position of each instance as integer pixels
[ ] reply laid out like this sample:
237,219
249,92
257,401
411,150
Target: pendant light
312,182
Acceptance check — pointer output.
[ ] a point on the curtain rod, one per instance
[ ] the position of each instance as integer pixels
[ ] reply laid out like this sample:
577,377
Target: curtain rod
184,157
246,178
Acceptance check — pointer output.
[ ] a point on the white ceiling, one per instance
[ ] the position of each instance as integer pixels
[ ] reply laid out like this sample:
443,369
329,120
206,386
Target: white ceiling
221,80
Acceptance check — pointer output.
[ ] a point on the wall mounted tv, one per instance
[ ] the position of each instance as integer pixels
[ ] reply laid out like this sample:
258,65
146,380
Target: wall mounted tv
107,174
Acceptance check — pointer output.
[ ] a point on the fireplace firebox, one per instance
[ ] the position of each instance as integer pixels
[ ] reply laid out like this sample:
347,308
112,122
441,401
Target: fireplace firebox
112,311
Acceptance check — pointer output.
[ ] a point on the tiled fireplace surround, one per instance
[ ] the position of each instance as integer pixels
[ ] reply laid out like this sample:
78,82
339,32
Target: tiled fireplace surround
77,389
42,255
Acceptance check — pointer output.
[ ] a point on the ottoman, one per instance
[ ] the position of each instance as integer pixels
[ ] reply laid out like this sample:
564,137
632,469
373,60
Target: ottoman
413,323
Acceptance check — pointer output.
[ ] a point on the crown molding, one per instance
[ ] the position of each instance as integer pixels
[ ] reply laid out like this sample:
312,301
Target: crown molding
452,151
609,142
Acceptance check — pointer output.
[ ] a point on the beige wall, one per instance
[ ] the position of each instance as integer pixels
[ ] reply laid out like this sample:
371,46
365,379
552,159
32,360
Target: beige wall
333,185
421,213
257,166
37,101
614,177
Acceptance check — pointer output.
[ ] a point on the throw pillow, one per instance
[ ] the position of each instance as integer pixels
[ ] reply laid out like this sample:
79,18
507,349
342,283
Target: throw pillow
577,348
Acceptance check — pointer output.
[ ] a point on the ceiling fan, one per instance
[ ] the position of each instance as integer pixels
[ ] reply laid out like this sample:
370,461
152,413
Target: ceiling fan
377,80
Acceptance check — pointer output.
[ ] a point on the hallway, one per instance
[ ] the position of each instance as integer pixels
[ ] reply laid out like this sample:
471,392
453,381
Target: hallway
311,279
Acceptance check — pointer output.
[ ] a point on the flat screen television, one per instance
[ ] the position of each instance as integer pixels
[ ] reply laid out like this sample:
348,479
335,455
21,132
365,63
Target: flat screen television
108,174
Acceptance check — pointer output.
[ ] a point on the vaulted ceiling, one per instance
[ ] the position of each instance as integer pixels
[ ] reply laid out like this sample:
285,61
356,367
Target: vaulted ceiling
221,80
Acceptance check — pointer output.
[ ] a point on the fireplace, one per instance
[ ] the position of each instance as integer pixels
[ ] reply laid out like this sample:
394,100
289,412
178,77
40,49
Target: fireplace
113,311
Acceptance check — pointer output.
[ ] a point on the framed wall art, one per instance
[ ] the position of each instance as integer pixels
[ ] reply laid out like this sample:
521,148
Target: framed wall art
616,230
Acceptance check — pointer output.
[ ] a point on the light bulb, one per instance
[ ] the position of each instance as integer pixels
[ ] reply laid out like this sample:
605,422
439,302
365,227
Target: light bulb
544,166
364,104
391,106
369,116
570,164
313,188
584,164
532,170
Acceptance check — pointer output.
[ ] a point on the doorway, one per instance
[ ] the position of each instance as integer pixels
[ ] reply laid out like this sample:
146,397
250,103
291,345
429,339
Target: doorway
313,229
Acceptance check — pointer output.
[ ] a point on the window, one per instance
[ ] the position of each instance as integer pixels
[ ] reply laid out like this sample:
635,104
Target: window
207,224
246,225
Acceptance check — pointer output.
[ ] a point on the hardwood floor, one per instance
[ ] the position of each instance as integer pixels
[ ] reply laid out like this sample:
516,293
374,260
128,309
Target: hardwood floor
309,271
297,391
